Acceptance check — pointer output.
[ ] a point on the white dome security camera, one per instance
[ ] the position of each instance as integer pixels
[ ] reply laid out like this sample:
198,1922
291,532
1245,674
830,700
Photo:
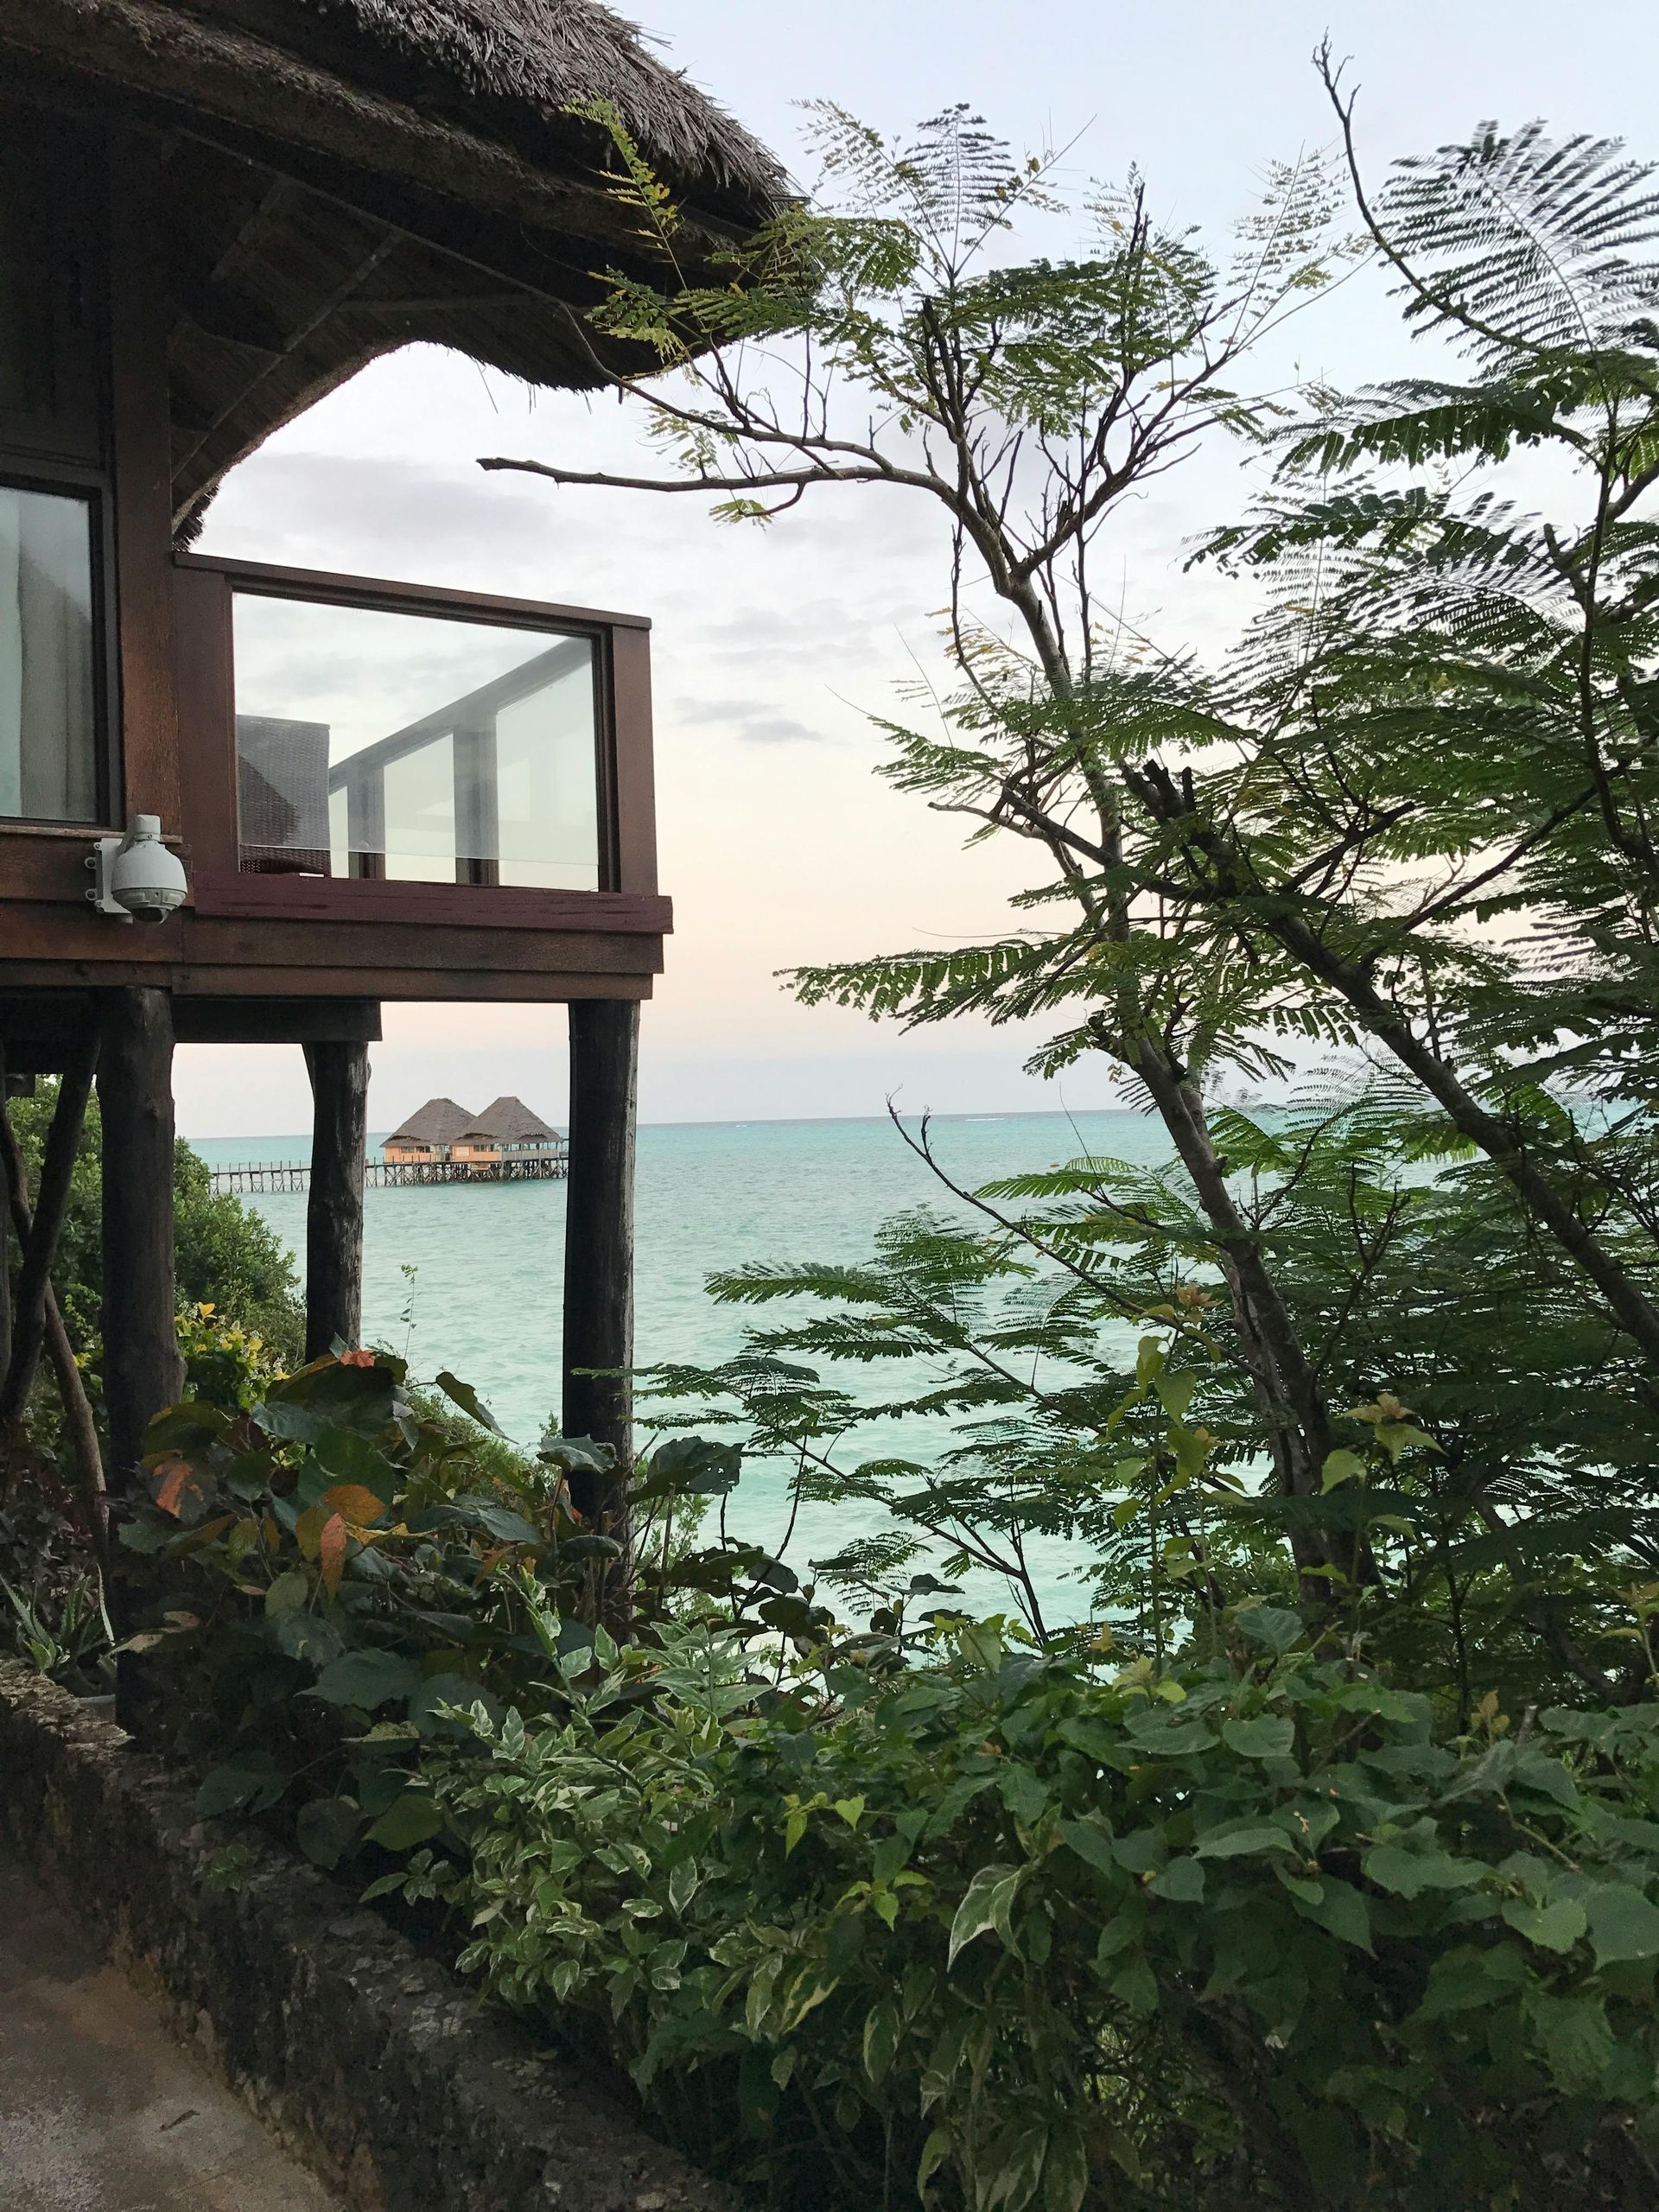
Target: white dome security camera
137,878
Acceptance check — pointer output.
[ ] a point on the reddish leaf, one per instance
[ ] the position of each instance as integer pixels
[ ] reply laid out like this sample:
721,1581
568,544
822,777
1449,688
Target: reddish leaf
172,1477
332,1551
355,1504
356,1359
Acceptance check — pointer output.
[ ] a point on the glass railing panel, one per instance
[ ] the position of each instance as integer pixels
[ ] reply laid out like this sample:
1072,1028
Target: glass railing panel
418,806
415,747
547,814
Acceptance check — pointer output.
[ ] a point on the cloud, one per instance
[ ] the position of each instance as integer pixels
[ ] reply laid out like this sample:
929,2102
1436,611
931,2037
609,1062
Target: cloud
748,719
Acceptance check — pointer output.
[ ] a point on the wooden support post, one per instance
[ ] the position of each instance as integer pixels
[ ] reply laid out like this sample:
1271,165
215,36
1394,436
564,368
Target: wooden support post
143,1371
599,1257
51,1202
334,1216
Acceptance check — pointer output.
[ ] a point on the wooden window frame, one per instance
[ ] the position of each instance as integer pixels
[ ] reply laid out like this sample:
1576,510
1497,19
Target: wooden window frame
67,449
206,587
91,486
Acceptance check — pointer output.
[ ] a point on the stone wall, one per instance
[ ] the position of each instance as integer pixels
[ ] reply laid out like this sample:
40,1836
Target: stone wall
377,2067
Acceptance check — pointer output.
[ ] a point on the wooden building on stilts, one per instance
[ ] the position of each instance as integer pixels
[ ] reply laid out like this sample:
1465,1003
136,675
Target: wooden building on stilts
241,803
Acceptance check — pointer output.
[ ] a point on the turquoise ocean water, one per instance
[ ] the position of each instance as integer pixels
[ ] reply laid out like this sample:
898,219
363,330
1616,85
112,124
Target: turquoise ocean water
484,1300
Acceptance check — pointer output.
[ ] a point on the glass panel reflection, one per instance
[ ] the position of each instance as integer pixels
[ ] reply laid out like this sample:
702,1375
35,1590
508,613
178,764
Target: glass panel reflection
414,747
48,708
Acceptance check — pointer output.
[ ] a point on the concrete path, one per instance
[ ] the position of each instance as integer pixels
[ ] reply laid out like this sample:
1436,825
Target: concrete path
100,2111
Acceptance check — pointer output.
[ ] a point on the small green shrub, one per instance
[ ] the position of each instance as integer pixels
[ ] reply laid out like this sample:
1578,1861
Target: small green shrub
994,1932
322,1569
924,1915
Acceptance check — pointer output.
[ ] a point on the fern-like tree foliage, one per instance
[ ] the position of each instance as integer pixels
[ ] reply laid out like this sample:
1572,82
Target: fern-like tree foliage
883,338
1411,818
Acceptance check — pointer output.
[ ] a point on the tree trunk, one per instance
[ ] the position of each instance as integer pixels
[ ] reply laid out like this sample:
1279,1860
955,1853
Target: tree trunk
599,1266
334,1216
1287,1390
34,1276
72,1389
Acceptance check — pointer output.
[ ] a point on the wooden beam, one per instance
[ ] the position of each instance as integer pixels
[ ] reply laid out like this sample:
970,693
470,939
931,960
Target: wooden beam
276,1021
51,1203
334,1216
143,1371
599,1264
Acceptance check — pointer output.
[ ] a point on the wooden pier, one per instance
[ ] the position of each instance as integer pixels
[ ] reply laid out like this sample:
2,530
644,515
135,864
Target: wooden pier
384,1175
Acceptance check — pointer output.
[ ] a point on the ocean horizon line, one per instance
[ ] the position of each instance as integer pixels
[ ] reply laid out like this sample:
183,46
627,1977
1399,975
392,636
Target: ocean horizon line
735,1122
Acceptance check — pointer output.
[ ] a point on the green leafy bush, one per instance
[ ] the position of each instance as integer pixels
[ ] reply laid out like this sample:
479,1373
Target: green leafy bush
994,1932
228,1257
323,1567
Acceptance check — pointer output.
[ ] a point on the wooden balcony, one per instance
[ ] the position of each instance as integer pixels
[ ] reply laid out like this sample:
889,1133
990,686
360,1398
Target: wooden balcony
500,844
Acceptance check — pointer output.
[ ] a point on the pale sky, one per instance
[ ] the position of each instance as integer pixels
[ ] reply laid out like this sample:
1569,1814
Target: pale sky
778,844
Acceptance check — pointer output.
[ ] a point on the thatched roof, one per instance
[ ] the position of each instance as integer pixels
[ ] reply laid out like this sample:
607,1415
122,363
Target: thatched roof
343,177
509,1121
439,1121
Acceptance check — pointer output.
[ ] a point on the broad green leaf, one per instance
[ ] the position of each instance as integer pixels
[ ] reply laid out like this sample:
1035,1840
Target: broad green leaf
1409,1873
367,1679
1623,1924
464,1395
1466,1980
1372,1697
1555,1926
499,1520
246,1785
1241,1839
1577,2042
1335,1906
326,1828
1011,2170
937,2149
288,1591
1270,1625
1175,1392
1136,1985
1066,2169
457,1690
880,2039
1148,1361
1181,1881
1265,1738
307,1635
413,1818
1170,1738
1091,1842
807,1991
987,1904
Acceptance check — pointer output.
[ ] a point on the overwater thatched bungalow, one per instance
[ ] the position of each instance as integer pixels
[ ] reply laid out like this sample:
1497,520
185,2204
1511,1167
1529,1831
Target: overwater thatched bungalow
212,214
507,1140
